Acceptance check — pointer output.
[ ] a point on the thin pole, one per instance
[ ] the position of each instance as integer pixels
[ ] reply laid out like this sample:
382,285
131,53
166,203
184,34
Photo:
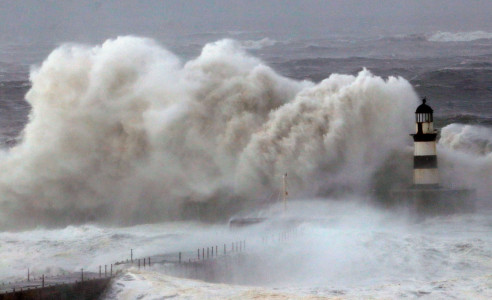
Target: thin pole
42,281
149,261
285,193
131,255
105,272
99,271
81,274
179,257
28,275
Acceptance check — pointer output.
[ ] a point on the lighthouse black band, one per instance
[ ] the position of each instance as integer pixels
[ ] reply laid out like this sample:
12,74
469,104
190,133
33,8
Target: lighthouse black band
427,137
425,162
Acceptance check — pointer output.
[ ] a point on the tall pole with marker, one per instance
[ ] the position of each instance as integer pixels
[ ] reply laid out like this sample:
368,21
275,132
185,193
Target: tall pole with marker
425,172
285,193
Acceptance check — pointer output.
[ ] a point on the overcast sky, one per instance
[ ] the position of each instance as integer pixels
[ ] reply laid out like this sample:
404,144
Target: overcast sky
38,21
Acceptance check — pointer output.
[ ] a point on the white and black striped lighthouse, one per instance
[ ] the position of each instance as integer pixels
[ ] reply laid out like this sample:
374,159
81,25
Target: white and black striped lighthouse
425,172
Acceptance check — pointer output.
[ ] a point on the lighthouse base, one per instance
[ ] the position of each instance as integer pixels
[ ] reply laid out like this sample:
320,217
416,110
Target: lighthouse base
435,200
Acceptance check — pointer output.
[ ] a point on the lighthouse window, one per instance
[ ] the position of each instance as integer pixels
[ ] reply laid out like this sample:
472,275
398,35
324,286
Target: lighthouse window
424,118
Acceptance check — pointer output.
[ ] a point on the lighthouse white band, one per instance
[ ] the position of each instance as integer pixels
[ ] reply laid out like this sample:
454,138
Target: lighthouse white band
425,148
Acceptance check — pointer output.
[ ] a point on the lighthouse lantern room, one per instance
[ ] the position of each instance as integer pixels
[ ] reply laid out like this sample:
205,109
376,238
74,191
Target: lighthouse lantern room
425,172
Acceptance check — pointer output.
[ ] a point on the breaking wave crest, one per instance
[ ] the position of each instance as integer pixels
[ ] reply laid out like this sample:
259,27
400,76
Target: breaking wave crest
126,131
443,36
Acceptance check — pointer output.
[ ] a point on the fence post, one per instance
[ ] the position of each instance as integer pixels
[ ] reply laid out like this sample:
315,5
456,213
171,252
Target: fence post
28,275
105,272
216,250
111,272
82,274
212,251
179,257
198,253
144,261
149,261
99,271
131,255
42,281
139,263
203,253
207,252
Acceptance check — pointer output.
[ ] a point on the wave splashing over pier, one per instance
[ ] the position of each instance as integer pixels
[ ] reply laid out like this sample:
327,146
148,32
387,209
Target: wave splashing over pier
127,131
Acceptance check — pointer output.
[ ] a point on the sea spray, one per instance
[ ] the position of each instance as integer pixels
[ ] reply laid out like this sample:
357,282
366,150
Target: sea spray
126,131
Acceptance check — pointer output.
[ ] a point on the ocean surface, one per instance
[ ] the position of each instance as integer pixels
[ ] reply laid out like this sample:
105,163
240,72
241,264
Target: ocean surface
80,150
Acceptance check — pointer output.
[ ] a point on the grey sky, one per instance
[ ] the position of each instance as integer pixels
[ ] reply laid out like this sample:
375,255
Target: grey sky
38,21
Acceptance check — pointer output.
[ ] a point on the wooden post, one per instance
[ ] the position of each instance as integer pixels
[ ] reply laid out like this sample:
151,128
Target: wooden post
216,250
42,281
131,255
179,257
203,253
207,252
139,263
99,271
105,271
144,262
212,251
111,272
198,253
149,261
28,275
82,274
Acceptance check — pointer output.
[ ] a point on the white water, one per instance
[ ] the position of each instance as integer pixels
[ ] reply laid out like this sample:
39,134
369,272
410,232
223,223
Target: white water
356,252
443,36
125,131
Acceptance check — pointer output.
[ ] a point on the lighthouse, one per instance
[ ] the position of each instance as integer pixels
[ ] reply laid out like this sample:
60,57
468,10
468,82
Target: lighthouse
425,172
426,195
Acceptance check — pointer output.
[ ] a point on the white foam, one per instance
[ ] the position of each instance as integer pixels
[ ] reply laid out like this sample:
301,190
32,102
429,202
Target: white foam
467,36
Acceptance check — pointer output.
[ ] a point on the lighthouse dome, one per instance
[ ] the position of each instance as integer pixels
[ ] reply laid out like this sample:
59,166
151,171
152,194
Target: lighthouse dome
424,108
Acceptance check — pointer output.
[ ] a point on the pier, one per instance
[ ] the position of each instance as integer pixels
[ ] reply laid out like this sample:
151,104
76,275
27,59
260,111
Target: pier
209,263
